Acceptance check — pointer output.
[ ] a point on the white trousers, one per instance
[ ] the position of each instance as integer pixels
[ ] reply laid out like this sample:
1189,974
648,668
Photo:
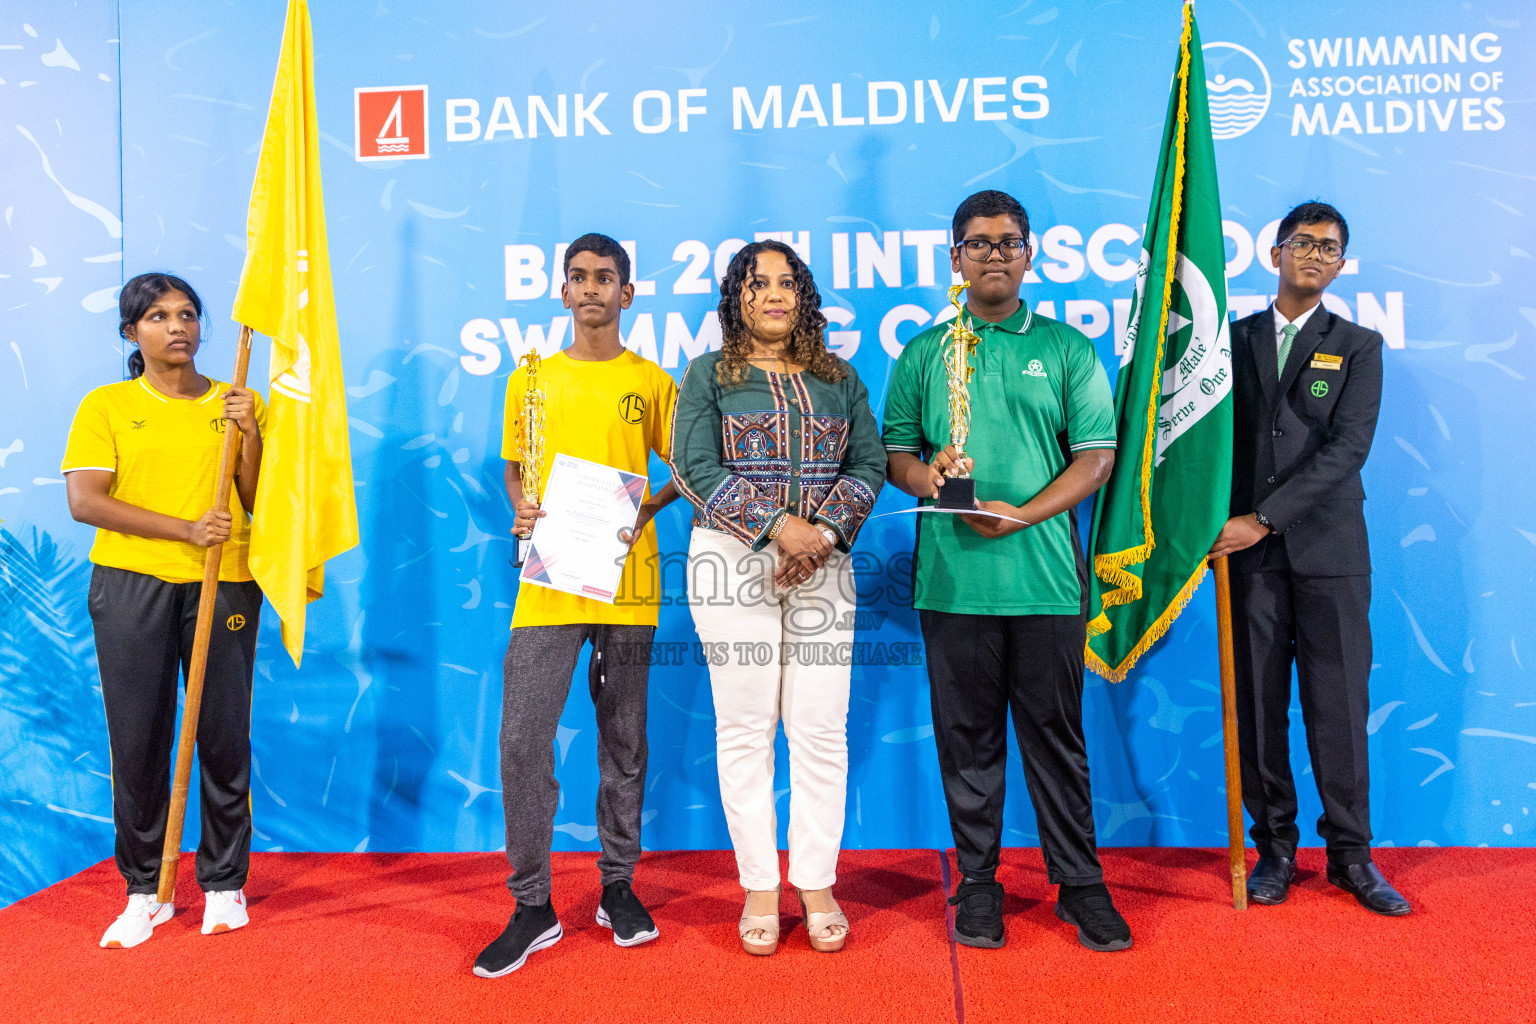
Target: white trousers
776,654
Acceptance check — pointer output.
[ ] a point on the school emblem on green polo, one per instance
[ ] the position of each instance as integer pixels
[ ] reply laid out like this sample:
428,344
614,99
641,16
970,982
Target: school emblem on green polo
1319,389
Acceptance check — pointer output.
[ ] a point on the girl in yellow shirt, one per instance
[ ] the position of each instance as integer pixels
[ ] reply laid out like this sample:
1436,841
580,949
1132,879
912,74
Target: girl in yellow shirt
141,466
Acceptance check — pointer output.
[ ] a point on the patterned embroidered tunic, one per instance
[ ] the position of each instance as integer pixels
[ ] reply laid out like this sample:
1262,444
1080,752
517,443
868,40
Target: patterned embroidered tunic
778,442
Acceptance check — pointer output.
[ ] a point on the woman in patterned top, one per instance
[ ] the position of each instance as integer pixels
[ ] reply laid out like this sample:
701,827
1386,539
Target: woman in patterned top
774,443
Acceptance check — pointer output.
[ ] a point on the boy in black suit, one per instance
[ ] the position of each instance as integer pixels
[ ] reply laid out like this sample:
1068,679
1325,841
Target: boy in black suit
1307,388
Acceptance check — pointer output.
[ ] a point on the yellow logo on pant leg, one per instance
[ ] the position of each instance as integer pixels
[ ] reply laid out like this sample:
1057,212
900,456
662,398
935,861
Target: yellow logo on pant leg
235,622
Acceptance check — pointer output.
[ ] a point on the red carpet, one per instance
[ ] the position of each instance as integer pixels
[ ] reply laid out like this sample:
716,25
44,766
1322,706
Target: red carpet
351,937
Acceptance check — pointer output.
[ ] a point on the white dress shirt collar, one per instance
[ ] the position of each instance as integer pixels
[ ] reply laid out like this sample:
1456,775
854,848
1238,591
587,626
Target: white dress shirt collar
1281,321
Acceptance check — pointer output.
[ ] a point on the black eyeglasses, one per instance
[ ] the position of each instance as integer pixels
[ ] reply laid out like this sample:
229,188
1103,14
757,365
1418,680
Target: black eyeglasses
980,250
1327,251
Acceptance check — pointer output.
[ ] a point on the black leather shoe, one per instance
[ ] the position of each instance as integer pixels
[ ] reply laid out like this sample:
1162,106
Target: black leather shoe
1270,882
1365,883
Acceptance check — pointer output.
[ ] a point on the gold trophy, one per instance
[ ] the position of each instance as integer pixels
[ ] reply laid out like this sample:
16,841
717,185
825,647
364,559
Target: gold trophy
959,492
530,441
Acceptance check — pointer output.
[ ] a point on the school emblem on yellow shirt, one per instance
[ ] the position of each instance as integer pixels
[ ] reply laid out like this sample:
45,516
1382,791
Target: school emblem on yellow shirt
235,622
216,424
632,407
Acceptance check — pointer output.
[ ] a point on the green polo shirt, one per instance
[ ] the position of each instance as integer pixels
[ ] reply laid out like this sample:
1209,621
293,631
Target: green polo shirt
1038,394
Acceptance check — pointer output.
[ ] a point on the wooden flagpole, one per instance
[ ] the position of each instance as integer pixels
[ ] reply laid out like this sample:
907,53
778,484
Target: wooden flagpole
170,856
1235,854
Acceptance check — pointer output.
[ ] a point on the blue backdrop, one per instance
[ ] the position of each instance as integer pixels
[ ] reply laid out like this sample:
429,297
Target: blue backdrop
128,140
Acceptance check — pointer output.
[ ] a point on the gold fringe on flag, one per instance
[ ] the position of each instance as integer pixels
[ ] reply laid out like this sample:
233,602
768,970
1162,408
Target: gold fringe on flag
1111,567
1153,635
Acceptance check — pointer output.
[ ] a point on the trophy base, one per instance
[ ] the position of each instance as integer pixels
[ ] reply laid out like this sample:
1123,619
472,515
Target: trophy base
958,493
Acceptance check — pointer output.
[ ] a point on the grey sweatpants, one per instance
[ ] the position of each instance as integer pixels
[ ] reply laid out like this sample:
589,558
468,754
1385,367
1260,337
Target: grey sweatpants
536,682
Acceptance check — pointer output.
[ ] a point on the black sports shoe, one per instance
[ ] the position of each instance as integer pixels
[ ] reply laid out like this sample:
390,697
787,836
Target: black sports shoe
978,914
621,910
533,927
1099,925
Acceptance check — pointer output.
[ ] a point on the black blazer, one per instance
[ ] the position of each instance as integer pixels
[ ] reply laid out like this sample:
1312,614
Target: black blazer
1300,438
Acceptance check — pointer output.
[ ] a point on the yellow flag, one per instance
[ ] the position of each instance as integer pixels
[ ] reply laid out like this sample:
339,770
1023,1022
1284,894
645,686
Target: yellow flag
305,510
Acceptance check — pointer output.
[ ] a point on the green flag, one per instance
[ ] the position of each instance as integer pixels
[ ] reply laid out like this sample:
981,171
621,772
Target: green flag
1156,519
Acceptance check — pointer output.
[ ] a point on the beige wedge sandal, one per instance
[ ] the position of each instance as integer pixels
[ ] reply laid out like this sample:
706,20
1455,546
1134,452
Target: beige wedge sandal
816,923
768,924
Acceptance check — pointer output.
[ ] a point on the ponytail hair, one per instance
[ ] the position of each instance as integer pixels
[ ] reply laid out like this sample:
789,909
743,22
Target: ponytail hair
134,301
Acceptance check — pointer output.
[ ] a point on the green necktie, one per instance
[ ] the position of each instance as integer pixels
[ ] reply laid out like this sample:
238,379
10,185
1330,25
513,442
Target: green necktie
1289,330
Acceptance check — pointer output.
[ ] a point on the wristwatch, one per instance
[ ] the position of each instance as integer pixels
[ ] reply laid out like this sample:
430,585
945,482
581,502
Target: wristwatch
828,532
1263,521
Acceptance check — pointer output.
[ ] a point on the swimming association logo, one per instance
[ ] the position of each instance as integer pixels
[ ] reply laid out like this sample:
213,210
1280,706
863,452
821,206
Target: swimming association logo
390,122
1238,85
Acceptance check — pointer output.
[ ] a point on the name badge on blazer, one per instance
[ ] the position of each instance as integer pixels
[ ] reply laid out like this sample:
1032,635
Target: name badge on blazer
1323,361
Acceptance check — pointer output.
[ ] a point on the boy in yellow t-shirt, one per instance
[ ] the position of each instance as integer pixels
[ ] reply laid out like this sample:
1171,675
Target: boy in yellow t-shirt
605,404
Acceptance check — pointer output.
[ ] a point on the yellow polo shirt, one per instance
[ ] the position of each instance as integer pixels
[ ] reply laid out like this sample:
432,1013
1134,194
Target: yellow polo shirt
164,456
614,412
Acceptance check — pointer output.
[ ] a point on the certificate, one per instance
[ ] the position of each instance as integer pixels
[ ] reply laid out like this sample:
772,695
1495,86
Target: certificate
576,546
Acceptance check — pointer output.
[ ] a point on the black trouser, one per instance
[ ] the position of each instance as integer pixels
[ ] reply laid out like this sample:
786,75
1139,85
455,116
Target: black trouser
1323,623
144,628
978,667
536,681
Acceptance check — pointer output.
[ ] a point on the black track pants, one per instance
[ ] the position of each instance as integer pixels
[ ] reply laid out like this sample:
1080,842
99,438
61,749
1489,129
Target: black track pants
144,628
981,667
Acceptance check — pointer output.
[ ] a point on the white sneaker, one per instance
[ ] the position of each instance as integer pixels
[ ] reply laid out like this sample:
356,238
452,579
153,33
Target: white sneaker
224,911
137,923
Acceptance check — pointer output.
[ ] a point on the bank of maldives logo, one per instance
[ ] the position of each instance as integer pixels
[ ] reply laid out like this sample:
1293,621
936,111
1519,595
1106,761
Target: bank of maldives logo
1238,86
390,122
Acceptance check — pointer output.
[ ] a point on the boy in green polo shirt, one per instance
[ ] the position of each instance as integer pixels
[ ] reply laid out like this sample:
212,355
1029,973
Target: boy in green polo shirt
1003,601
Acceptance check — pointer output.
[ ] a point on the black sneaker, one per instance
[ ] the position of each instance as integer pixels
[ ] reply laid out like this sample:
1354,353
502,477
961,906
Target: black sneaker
978,914
533,927
621,910
1099,925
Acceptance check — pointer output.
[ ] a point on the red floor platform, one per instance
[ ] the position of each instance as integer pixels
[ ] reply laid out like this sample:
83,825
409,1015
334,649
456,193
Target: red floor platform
382,937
